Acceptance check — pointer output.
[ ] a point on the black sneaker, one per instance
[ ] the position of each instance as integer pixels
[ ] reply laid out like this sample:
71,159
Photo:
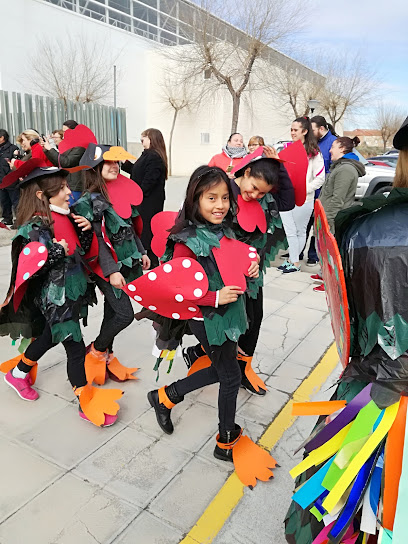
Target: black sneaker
312,262
284,256
190,355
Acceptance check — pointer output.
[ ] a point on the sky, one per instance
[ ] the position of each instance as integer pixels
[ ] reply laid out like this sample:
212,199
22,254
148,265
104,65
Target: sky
378,29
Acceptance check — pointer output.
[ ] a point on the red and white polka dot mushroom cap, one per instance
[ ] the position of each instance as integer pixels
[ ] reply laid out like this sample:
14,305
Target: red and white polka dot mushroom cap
172,289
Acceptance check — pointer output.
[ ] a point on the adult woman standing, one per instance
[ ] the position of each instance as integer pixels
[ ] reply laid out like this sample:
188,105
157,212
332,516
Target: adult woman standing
231,154
150,172
29,141
295,221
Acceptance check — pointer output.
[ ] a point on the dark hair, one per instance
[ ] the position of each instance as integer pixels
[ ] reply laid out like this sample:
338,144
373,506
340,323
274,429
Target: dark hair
233,134
312,149
266,170
347,144
70,123
58,131
201,180
4,134
93,181
157,144
30,205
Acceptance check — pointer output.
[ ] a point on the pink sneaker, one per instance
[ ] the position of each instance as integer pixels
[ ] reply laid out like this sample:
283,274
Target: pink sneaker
22,386
109,420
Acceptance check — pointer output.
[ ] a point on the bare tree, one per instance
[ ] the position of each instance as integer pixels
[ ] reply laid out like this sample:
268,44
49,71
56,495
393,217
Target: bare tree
293,85
75,68
388,119
350,85
230,54
179,96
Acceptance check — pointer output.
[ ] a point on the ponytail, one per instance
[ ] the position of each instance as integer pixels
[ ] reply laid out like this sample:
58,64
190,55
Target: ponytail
348,144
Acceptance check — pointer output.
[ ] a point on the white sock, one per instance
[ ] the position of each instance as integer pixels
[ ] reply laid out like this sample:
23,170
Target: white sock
17,373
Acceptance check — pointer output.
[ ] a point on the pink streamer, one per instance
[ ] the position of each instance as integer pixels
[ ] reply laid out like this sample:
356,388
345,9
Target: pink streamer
349,537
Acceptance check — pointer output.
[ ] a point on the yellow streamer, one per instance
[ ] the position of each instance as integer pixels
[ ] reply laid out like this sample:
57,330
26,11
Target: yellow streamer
352,470
317,456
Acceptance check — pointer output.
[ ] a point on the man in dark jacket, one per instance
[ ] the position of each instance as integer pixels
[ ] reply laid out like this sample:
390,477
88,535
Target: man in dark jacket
8,197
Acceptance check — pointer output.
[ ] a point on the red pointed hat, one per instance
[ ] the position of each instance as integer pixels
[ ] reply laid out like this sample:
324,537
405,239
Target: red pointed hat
31,169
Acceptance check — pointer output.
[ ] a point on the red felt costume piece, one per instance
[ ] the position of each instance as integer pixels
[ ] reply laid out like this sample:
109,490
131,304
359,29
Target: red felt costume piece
123,194
26,168
64,229
31,259
296,165
334,282
258,153
80,136
173,289
251,215
160,224
233,260
36,153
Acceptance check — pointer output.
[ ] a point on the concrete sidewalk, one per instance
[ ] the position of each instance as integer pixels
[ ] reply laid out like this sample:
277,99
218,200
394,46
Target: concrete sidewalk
66,481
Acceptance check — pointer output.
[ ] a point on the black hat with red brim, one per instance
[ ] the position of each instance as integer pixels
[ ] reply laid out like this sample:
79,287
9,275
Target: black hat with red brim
401,138
29,171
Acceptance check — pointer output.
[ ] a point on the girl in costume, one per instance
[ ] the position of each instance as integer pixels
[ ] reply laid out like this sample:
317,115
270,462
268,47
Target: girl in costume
205,221
351,485
295,221
109,203
49,291
262,188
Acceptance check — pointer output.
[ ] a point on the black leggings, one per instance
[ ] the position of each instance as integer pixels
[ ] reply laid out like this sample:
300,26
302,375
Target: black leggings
254,309
224,369
75,356
117,315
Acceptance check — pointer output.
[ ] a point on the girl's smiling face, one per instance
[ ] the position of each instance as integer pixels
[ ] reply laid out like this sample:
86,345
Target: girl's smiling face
61,199
214,203
252,188
110,170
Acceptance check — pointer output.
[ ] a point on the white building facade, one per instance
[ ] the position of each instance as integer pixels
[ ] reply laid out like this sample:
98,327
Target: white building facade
136,31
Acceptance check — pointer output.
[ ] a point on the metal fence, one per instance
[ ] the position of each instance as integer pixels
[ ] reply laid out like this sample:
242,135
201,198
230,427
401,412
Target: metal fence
45,114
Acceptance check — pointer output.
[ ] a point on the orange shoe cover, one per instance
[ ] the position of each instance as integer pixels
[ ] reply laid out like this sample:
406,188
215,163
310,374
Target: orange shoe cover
121,372
95,402
95,366
251,462
12,363
202,362
252,376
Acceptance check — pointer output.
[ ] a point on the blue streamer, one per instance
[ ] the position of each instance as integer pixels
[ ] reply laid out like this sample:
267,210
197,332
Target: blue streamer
312,488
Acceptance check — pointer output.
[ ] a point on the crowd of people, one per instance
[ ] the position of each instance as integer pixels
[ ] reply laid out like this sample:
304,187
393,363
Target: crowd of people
81,224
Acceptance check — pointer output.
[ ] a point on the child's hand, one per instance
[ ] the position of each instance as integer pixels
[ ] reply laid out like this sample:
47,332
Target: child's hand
253,270
62,243
117,280
82,223
270,152
229,294
145,262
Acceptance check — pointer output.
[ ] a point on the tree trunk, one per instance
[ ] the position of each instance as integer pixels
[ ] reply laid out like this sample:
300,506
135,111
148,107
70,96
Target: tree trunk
236,102
171,139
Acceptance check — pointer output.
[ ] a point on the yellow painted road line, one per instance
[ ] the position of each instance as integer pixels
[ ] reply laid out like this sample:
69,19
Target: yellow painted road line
221,507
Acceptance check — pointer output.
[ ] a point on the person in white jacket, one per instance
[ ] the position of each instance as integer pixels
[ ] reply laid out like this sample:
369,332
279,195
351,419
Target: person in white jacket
295,221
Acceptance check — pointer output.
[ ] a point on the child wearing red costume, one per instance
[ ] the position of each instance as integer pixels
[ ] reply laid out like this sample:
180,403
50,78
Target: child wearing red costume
49,291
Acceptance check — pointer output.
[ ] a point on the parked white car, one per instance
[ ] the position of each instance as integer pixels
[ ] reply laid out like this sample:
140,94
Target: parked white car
378,179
